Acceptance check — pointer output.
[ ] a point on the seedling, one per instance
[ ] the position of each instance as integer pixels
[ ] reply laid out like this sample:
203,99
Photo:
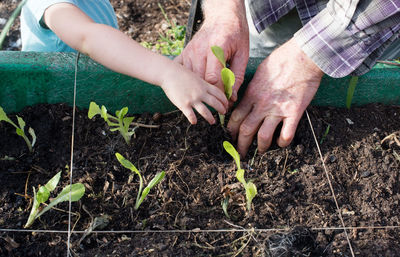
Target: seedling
141,195
325,134
350,91
20,129
251,190
117,123
77,191
170,43
227,76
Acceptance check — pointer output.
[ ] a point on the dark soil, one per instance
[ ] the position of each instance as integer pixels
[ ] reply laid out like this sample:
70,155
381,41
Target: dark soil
293,190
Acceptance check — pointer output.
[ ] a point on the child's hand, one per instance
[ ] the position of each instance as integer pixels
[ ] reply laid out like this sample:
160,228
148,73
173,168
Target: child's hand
187,91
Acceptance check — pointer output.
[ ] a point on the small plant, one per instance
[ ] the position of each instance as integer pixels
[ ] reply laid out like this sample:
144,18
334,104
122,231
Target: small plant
117,123
20,129
350,91
172,42
141,195
77,191
325,134
251,190
227,76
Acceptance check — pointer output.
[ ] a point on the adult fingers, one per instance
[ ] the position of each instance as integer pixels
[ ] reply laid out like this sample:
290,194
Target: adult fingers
238,67
213,71
237,117
288,131
205,112
247,130
179,59
266,132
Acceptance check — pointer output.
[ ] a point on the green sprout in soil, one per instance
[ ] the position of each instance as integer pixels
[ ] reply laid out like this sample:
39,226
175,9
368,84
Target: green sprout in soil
20,129
117,123
325,134
170,43
227,76
141,195
77,191
350,91
251,190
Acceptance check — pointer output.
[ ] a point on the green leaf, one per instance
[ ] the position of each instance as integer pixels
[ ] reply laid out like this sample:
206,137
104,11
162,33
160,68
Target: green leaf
219,53
127,164
34,210
350,90
94,109
3,116
33,135
121,113
232,151
20,132
251,192
42,194
52,183
127,122
77,191
228,78
240,176
21,123
104,113
157,179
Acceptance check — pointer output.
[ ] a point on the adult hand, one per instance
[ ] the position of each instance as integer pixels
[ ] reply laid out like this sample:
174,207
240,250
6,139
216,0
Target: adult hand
227,28
282,88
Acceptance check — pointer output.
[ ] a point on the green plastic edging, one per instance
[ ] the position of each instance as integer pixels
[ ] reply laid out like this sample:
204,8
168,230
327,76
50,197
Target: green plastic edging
29,78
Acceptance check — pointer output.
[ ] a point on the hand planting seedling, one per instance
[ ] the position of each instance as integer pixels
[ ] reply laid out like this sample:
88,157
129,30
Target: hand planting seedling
117,123
249,186
227,76
141,195
77,191
20,129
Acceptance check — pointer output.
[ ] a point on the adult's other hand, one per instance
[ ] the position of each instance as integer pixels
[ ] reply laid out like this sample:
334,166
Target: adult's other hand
282,88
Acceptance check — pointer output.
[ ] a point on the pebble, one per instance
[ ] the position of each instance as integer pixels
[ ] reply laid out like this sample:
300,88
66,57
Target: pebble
2,21
332,158
365,174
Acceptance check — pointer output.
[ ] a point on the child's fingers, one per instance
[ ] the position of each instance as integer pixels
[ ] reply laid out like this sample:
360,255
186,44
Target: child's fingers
216,92
190,115
205,112
216,104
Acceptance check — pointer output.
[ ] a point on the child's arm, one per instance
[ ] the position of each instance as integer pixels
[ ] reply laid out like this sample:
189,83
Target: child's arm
115,50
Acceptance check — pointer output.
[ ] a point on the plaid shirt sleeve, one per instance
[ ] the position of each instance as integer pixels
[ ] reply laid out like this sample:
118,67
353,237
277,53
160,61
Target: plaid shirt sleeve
348,36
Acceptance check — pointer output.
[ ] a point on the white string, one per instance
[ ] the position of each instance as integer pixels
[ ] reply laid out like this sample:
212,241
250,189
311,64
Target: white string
72,157
196,230
330,185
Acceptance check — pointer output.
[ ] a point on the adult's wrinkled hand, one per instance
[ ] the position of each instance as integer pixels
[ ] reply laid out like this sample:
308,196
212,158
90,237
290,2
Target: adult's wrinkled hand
227,28
282,88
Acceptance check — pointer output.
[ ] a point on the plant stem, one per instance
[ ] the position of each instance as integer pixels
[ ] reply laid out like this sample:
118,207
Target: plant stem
10,22
138,202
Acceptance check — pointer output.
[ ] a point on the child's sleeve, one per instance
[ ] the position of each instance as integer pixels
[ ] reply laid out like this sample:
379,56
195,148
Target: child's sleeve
38,7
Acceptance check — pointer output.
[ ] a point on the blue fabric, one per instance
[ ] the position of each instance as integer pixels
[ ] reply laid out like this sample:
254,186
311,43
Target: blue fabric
36,36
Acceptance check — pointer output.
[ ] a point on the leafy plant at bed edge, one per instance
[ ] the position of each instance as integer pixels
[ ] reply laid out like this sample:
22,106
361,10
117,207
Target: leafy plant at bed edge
116,123
170,43
227,76
141,194
250,188
42,195
20,129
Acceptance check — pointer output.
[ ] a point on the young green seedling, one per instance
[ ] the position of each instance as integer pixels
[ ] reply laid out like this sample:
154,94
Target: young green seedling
20,129
117,123
227,76
249,186
77,191
141,195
